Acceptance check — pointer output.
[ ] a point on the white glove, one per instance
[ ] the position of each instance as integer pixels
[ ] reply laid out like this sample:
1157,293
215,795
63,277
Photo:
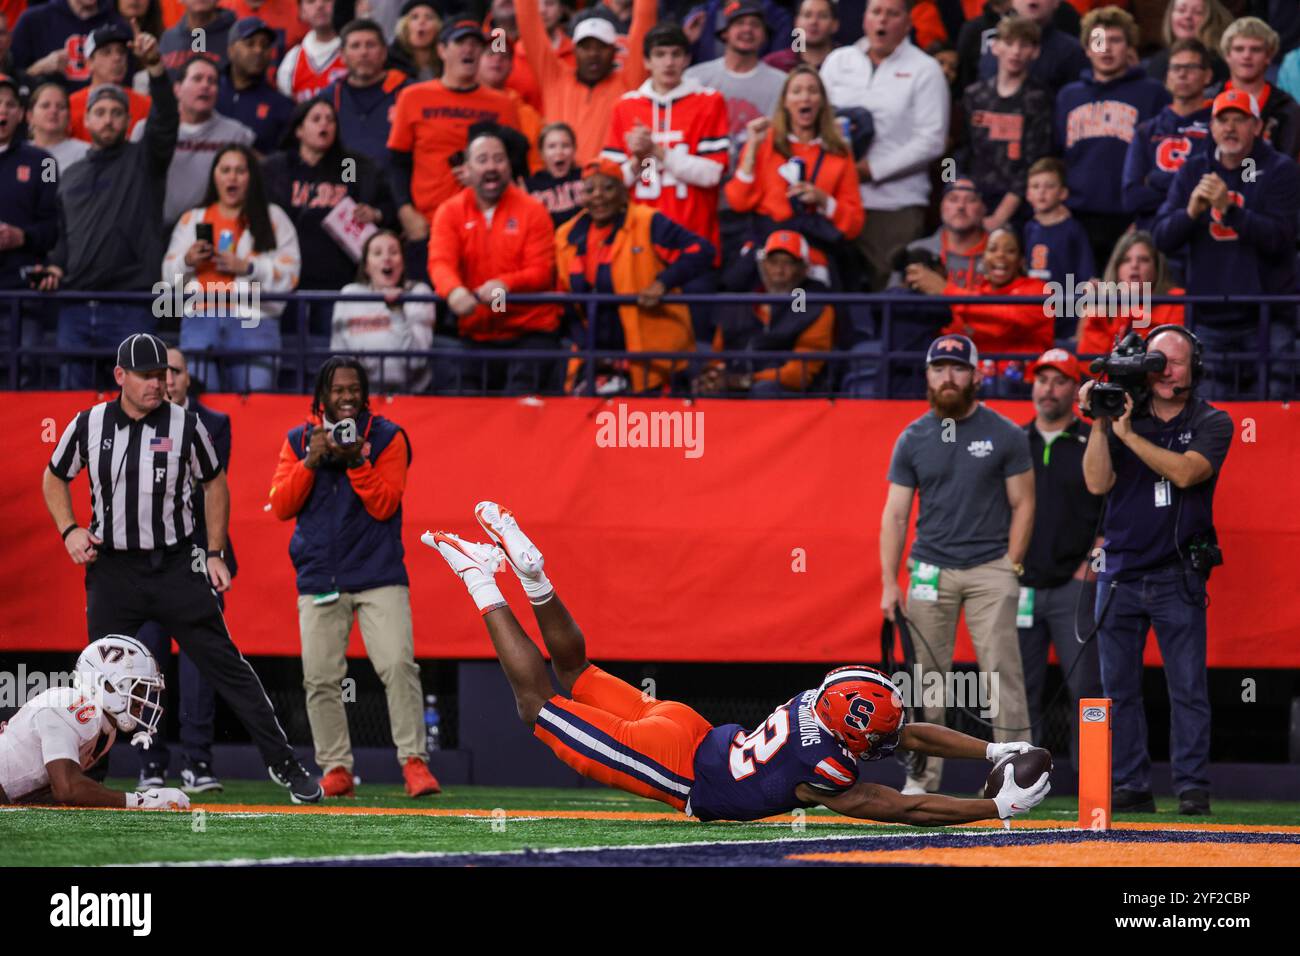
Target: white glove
163,798
995,752
1013,799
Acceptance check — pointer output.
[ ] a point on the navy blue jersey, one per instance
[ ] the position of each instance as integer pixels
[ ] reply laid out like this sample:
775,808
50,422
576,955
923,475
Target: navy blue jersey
748,776
1160,147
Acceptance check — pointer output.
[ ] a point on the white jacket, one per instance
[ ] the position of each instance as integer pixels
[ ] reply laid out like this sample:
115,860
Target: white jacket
274,271
908,99
377,327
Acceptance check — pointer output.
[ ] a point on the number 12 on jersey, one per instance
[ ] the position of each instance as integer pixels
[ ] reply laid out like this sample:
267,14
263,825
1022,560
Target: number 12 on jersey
760,746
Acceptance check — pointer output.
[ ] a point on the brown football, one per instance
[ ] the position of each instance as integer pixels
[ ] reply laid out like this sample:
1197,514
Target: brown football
1029,766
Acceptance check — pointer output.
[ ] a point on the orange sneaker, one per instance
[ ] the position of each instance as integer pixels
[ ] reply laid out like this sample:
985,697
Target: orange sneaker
419,781
338,783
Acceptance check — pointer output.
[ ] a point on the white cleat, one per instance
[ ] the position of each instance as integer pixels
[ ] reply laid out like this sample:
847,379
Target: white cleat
503,529
465,557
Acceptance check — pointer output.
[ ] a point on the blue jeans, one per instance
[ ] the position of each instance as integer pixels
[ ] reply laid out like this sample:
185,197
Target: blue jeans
198,701
97,325
1172,599
254,373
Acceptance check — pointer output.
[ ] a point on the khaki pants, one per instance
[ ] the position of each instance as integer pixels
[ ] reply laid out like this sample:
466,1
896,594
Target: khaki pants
989,593
385,618
887,231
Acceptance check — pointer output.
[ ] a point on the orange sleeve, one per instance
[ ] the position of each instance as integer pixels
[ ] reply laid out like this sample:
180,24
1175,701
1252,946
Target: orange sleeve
747,196
291,485
537,272
380,486
510,116
644,14
444,251
546,63
928,24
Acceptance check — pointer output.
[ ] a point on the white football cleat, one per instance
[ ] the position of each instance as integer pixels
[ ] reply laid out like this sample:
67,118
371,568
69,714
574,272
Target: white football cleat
503,529
465,557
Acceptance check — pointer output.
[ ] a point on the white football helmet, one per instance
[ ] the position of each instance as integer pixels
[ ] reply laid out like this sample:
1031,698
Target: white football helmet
123,676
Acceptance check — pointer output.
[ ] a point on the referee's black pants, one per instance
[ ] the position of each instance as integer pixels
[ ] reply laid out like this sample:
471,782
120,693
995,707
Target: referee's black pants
124,589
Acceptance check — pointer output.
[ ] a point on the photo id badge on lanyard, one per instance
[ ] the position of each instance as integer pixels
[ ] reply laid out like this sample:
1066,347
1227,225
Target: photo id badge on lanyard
1164,495
923,581
1025,608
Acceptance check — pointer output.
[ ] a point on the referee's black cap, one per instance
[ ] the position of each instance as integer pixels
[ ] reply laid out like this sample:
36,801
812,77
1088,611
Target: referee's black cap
142,352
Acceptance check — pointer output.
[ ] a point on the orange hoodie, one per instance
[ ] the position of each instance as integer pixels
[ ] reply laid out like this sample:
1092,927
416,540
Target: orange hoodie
518,248
1002,327
765,191
564,99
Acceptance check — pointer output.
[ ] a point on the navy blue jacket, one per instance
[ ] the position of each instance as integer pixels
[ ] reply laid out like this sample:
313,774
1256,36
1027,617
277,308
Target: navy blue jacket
1249,250
365,114
1159,149
262,108
28,200
1095,122
50,26
337,545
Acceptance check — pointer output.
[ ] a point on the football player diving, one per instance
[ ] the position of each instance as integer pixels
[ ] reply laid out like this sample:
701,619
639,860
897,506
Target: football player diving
804,754
47,747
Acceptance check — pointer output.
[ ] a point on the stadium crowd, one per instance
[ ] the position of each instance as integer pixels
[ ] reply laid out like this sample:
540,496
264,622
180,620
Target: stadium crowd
645,147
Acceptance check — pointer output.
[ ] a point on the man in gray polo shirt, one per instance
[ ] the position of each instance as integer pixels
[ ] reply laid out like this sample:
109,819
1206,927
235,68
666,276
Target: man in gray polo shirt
972,469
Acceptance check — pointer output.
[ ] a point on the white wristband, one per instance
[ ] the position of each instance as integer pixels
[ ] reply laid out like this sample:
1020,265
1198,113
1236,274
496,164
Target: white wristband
132,800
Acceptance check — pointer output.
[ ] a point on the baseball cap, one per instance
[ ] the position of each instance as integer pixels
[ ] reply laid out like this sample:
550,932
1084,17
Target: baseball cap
110,91
248,27
960,184
736,9
142,352
953,348
789,242
1061,360
595,28
459,29
1236,100
12,83
410,5
603,167
98,39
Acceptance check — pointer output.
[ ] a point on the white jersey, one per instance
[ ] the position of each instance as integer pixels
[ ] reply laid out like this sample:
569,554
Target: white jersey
60,724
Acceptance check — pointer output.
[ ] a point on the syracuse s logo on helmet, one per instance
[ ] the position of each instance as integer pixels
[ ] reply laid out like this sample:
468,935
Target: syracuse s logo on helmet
859,715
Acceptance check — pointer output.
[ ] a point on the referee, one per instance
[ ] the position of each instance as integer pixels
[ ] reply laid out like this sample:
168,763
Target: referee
139,453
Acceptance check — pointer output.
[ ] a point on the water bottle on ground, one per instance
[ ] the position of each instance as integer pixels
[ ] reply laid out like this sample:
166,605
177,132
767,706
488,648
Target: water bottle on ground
432,724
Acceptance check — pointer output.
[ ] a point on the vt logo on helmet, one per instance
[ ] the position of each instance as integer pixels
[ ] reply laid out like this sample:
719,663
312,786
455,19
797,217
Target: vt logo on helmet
123,677
863,709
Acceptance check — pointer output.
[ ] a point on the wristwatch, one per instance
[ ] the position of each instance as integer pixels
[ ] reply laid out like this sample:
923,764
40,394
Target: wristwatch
1019,569
217,553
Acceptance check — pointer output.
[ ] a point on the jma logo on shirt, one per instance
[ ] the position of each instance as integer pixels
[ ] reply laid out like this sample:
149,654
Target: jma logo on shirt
980,448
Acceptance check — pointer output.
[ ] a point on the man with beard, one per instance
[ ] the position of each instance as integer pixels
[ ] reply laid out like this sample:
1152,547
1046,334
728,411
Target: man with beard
1056,597
110,217
972,471
489,240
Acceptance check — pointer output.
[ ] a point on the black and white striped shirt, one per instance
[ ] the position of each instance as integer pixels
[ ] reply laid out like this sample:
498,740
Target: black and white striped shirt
140,472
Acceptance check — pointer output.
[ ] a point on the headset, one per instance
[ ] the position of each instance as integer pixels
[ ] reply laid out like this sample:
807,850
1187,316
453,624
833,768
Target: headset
1198,350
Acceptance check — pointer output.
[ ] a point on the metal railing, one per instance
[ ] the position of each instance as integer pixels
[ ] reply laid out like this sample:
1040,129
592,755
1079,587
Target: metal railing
865,358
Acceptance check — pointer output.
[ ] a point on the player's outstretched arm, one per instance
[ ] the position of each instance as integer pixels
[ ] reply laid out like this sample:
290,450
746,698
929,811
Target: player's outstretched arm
938,741
874,801
71,788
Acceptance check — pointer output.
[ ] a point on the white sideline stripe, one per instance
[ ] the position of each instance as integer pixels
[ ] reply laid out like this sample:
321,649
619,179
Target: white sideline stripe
547,717
440,854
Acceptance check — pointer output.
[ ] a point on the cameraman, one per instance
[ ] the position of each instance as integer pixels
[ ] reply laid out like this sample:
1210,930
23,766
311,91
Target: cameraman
1159,462
342,476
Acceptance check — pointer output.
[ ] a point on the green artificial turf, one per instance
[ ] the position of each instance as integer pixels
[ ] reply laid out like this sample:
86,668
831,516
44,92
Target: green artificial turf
47,837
